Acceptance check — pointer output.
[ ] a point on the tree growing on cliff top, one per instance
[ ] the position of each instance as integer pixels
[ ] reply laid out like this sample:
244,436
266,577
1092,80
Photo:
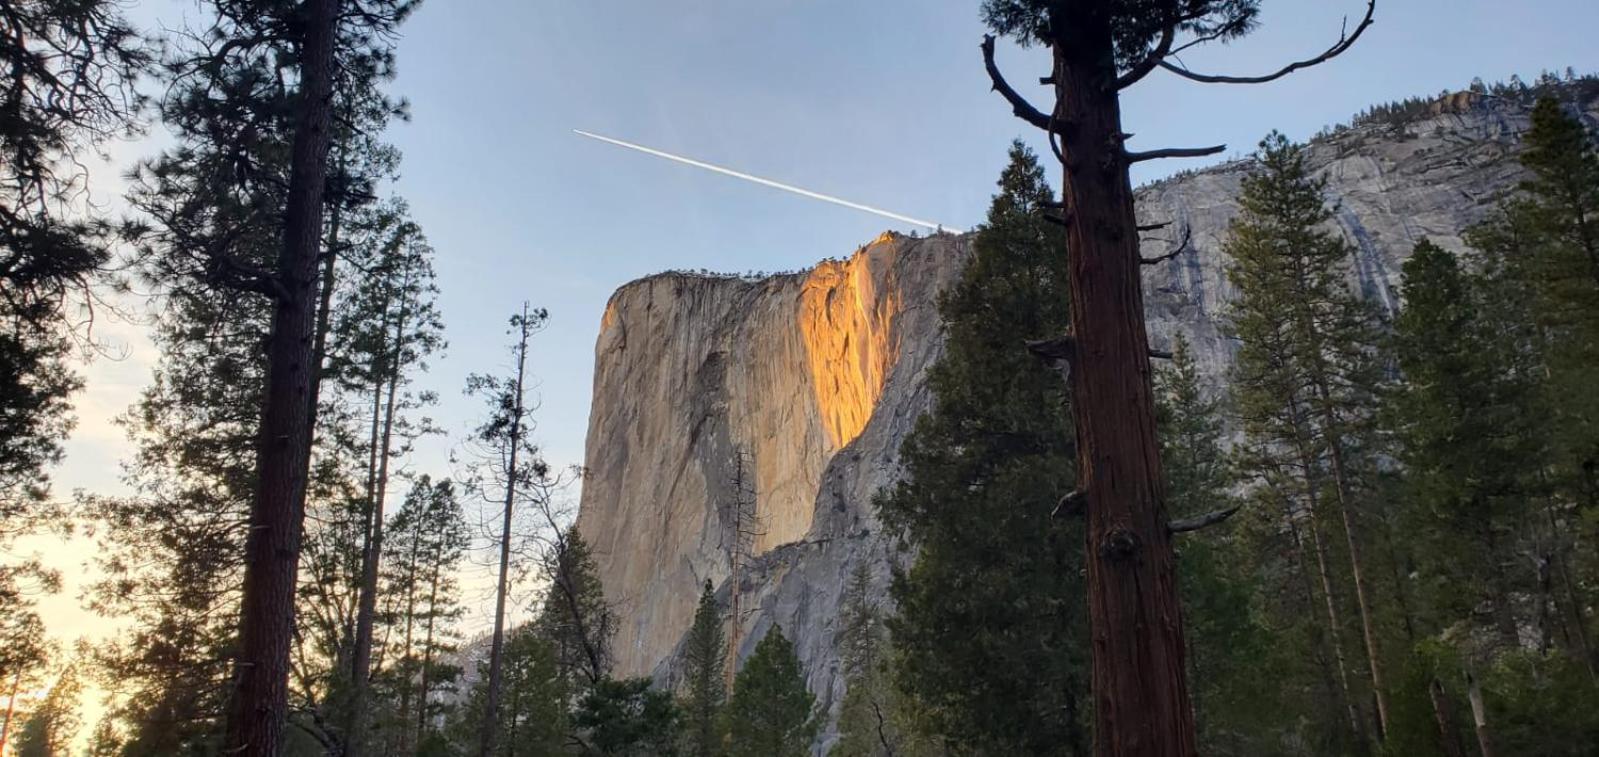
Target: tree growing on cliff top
1100,48
990,631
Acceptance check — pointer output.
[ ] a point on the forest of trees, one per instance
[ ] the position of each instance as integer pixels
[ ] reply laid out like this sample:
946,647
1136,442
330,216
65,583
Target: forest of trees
1378,535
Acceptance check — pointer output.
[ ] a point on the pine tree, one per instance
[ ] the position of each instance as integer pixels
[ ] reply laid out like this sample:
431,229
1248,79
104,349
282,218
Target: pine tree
54,723
628,719
1099,48
771,712
1305,384
429,540
704,653
533,720
1559,262
983,471
70,69
509,462
1233,704
874,720
575,617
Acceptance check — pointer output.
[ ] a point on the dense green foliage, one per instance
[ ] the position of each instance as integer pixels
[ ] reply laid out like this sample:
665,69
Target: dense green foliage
704,684
990,636
770,712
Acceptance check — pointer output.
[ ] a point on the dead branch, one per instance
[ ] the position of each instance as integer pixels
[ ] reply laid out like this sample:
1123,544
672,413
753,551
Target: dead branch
1160,354
1153,227
1345,41
1188,236
1070,505
1174,152
1019,105
1207,520
1059,348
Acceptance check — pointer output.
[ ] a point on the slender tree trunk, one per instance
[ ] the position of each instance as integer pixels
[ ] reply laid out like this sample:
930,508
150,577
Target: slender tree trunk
1141,703
11,710
1337,687
491,710
427,658
1335,627
1448,737
1346,507
1479,715
366,615
408,656
259,703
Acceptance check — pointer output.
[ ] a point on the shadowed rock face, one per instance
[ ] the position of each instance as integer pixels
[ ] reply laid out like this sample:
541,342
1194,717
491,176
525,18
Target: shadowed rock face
820,375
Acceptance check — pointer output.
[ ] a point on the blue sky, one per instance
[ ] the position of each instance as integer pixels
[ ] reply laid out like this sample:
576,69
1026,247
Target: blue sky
883,102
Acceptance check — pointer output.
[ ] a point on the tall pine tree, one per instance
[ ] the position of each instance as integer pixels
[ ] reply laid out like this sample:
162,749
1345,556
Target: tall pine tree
983,471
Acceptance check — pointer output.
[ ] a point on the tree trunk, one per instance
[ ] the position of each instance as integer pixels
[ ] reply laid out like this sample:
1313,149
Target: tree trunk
377,494
272,549
1141,704
11,709
1448,738
1333,432
1479,715
491,709
427,658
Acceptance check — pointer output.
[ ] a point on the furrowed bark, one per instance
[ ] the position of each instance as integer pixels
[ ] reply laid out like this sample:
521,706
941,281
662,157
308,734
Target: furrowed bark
259,703
1141,703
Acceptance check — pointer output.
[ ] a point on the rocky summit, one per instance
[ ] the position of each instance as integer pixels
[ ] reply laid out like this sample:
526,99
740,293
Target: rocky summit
816,377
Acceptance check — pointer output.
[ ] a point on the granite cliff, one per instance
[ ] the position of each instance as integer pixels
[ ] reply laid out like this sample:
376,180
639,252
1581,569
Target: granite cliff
819,375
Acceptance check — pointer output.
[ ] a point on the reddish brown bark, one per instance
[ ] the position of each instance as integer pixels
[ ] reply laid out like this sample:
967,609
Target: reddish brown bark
272,550
1141,704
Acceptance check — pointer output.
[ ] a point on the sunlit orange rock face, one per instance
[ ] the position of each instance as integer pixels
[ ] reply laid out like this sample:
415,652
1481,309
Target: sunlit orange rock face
789,368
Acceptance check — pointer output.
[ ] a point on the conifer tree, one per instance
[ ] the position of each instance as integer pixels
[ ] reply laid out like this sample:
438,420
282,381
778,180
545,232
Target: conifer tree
534,719
1467,444
509,463
1305,384
704,653
982,472
575,617
627,718
1233,703
1099,49
52,725
771,712
874,720
70,70
430,538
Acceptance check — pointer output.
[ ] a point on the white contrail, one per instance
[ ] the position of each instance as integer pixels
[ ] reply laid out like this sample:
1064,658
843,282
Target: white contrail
768,182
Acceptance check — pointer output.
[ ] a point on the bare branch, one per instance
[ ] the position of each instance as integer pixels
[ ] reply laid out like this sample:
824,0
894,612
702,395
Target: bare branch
1160,354
1174,152
1019,105
1153,227
1070,505
1346,40
1188,236
1168,34
1059,348
1203,521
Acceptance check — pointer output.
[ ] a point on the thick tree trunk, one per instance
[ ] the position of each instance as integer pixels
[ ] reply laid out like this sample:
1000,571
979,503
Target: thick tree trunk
1141,704
272,550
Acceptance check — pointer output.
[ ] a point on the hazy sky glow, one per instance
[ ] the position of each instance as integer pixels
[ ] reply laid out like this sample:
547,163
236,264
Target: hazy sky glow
882,102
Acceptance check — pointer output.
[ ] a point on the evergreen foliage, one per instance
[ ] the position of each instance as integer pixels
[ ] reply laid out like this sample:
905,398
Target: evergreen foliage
990,636
771,713
704,688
